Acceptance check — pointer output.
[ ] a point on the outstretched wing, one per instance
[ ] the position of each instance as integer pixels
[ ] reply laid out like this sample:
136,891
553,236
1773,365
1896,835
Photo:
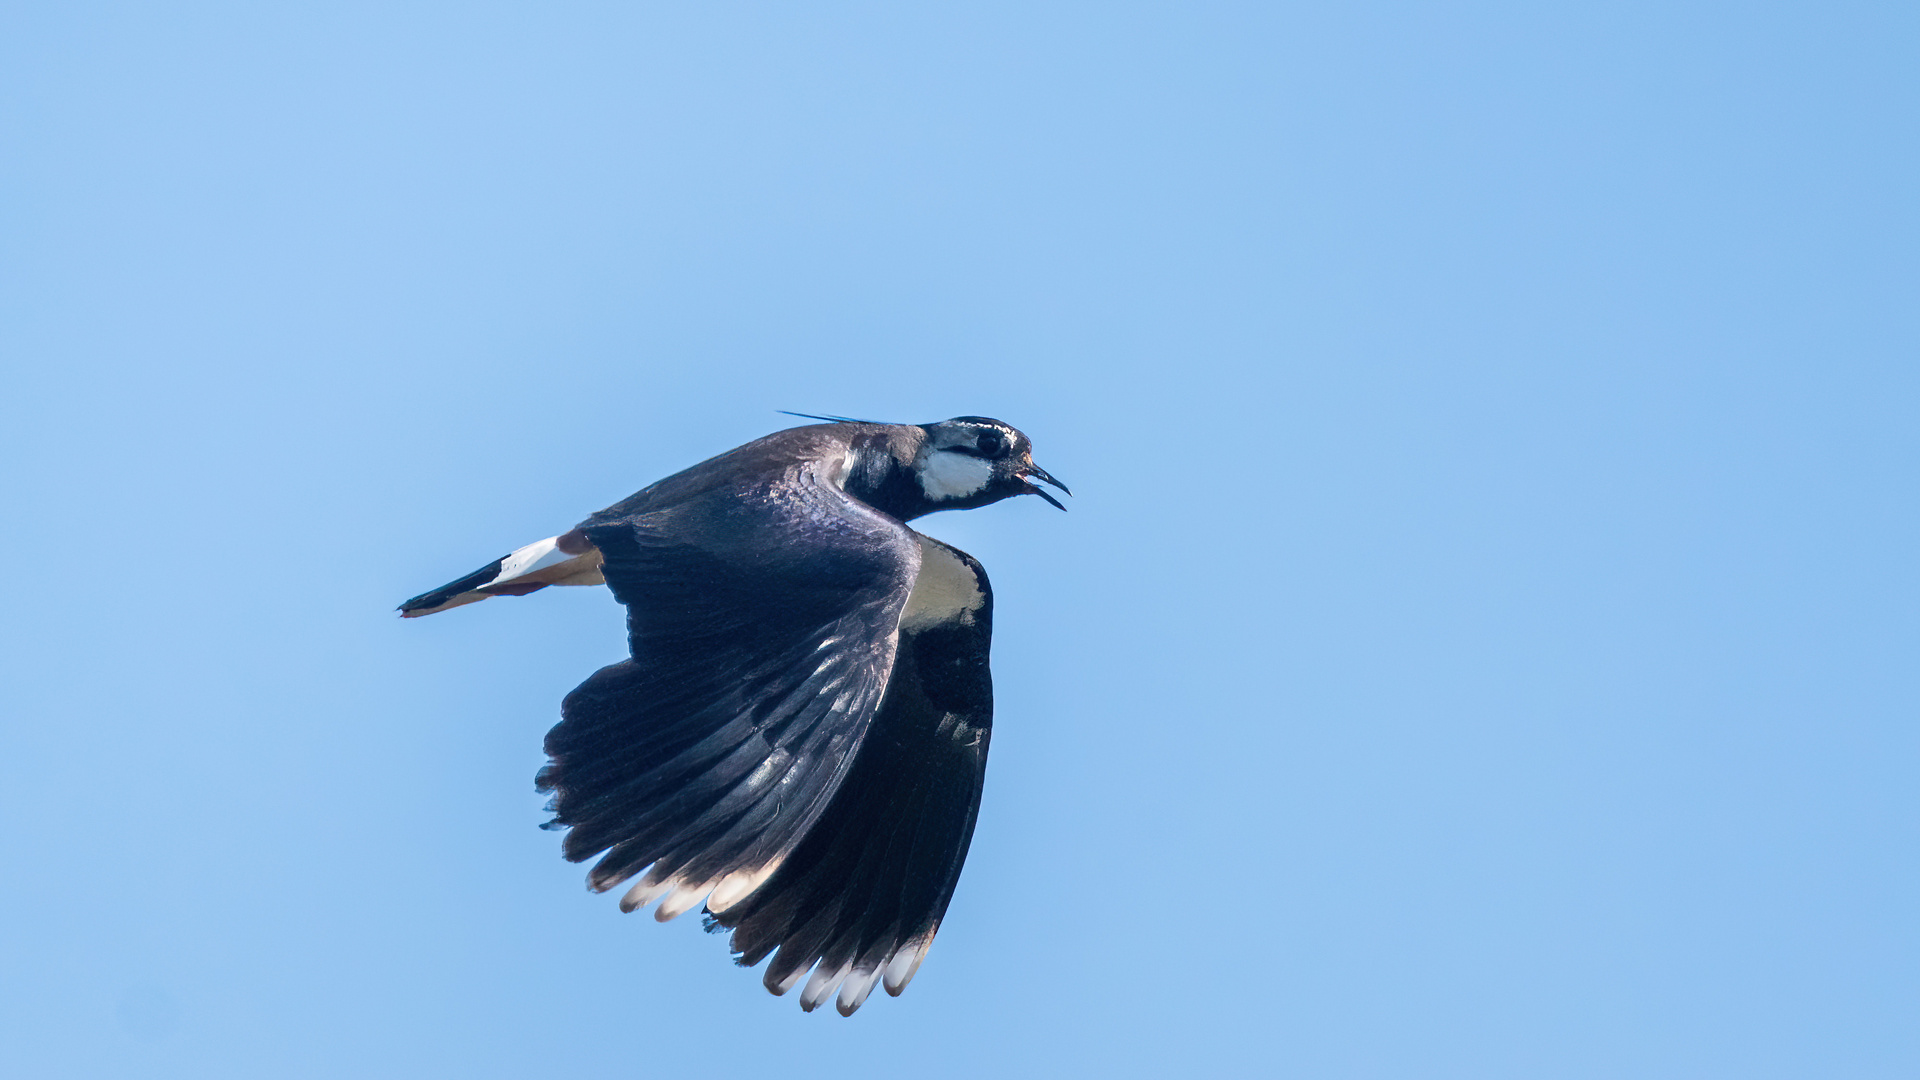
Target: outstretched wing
762,618
859,900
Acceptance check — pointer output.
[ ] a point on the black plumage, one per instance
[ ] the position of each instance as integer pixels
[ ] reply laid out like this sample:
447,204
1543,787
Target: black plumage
875,874
799,737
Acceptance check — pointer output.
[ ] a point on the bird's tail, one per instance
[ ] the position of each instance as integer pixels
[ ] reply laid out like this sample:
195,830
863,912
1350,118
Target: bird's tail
567,559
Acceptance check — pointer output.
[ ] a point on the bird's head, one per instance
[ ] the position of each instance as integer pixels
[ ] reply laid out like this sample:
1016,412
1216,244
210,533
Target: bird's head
971,461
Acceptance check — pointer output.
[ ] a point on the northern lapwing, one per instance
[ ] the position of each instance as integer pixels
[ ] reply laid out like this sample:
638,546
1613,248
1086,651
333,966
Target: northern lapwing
800,735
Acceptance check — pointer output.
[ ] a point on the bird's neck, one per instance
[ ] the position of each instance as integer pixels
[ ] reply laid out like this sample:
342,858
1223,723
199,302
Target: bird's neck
887,485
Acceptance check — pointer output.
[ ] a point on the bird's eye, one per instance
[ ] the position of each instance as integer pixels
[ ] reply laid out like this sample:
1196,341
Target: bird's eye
991,444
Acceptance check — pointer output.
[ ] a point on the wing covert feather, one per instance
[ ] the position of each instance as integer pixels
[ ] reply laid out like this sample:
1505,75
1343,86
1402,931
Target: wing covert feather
860,899
762,621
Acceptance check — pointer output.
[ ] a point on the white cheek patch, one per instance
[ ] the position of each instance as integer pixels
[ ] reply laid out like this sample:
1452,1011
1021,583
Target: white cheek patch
947,475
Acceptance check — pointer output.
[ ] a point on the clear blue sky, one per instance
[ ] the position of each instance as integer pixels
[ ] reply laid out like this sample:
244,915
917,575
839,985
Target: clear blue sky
1483,646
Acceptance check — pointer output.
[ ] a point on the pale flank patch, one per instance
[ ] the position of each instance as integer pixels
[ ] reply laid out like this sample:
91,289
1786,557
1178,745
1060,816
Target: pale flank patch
945,592
947,475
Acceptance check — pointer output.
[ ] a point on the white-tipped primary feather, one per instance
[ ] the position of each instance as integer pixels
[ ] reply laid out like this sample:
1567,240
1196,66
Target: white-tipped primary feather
820,987
853,992
680,901
780,988
904,963
736,886
643,893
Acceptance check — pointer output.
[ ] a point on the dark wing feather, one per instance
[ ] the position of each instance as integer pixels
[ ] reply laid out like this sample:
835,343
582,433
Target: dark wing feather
860,899
762,618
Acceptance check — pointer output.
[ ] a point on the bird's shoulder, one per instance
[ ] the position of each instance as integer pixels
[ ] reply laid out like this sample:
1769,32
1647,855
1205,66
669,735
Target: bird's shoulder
782,463
773,514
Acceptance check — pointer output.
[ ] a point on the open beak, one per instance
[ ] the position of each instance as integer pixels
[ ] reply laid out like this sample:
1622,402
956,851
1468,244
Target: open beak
1032,472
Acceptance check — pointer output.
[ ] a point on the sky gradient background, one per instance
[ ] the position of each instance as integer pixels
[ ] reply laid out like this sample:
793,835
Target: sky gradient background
1483,644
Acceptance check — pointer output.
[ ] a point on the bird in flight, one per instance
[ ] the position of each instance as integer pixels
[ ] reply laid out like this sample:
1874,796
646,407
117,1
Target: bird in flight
800,735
